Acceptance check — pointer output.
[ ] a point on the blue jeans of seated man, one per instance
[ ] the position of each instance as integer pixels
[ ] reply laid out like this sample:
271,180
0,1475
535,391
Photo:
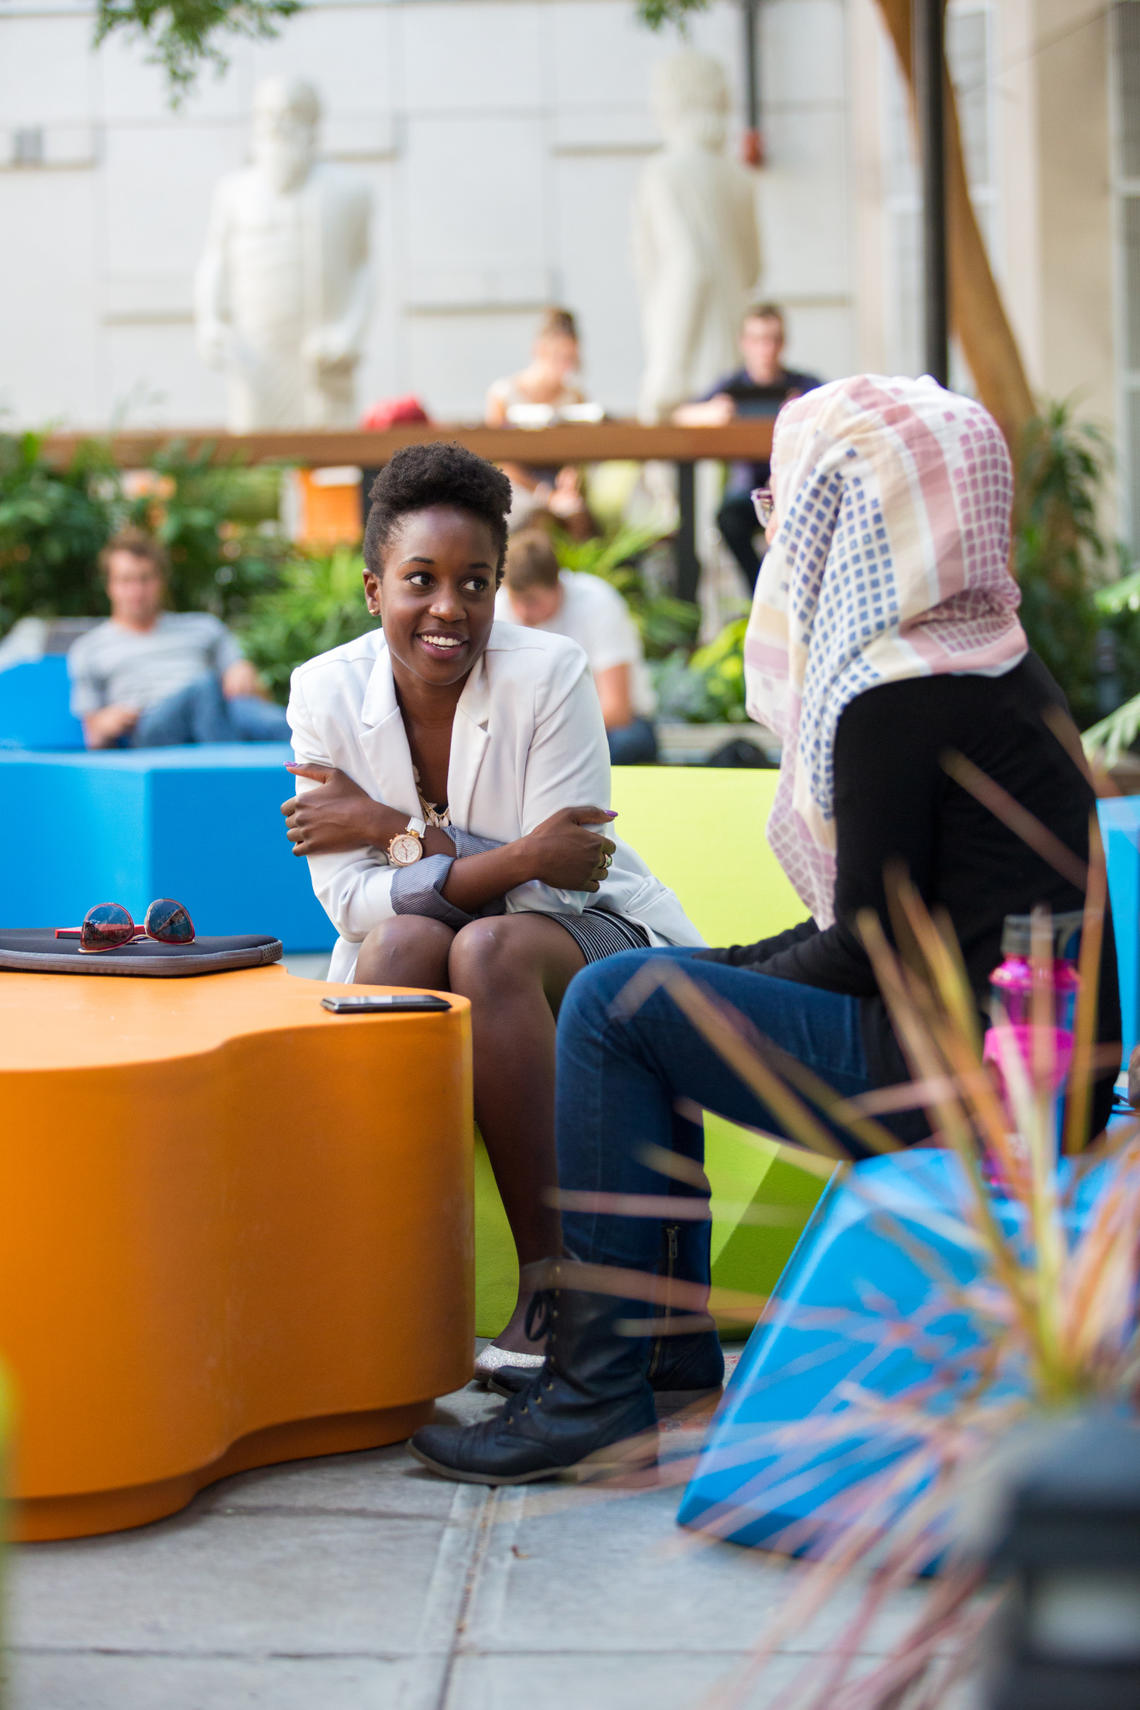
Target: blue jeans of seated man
634,744
201,713
621,1075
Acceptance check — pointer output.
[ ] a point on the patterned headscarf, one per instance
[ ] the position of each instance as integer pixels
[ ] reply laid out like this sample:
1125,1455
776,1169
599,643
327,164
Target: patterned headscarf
891,560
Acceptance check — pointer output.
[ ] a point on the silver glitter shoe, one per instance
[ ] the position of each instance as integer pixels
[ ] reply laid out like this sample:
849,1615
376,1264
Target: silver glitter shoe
492,1358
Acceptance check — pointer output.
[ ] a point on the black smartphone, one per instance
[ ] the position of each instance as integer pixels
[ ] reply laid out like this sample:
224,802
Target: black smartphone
384,1005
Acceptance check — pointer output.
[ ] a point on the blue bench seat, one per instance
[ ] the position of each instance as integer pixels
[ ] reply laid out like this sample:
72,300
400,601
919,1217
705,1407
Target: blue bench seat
201,824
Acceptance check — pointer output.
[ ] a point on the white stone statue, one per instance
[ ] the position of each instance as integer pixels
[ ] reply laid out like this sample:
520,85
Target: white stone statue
282,293
696,245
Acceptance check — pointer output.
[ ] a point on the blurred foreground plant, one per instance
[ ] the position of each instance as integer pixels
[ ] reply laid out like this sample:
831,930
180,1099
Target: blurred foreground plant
1052,1309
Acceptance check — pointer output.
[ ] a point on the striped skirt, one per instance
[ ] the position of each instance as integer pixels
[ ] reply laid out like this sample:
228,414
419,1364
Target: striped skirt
598,933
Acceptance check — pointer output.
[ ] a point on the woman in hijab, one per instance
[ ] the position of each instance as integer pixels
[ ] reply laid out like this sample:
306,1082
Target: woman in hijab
884,639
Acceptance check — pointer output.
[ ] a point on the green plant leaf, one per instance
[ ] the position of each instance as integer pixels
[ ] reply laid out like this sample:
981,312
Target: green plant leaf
183,35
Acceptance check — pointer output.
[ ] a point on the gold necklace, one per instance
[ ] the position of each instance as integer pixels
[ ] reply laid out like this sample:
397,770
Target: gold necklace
432,812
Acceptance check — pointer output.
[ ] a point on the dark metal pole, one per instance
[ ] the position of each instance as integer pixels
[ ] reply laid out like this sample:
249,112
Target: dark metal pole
927,27
753,154
686,564
751,67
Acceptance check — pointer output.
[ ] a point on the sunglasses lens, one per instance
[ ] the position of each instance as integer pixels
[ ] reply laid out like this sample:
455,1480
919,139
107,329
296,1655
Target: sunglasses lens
763,504
105,927
169,922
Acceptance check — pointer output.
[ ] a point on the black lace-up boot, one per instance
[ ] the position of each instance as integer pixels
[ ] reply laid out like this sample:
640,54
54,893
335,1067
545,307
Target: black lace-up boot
589,1409
684,1368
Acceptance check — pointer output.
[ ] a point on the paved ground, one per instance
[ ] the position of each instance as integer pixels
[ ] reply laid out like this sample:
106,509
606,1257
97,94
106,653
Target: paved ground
361,1582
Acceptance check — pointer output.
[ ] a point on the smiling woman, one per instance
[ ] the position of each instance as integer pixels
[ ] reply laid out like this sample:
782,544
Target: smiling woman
453,805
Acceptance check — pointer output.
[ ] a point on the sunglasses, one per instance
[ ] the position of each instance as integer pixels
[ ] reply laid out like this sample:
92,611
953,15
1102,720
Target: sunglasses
763,504
108,926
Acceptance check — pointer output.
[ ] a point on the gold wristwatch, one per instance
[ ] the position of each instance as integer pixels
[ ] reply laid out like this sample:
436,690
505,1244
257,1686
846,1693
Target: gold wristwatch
408,845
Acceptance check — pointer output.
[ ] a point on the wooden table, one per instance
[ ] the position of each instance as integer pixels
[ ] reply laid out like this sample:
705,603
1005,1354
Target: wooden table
569,442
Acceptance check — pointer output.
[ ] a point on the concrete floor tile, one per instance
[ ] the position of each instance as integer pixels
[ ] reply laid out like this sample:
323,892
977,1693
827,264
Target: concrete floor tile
570,1569
627,1680
306,966
379,1482
85,1680
249,1582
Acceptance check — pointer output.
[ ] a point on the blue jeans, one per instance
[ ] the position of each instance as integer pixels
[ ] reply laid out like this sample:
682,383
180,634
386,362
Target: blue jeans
201,713
620,1077
634,744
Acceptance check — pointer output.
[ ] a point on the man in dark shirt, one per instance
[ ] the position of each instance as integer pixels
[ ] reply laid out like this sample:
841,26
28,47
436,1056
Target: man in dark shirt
758,388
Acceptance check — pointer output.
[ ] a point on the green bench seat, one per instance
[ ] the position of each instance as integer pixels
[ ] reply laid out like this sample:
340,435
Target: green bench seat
702,832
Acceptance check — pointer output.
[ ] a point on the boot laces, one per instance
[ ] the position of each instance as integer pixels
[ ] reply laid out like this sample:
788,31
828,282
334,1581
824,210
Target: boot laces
541,1322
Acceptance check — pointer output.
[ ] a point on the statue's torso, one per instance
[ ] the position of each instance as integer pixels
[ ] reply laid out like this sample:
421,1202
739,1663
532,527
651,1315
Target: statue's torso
290,253
268,281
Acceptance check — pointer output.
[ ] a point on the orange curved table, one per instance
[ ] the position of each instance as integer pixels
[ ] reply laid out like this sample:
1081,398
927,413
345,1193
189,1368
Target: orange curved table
234,1229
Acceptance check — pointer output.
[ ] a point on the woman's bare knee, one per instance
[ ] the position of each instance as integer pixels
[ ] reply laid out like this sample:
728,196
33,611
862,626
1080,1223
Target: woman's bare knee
508,952
407,950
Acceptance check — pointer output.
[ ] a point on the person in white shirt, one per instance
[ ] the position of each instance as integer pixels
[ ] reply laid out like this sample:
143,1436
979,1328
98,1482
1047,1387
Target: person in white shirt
537,594
544,389
453,806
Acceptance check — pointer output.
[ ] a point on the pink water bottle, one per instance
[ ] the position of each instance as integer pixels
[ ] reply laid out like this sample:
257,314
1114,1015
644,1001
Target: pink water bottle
1013,984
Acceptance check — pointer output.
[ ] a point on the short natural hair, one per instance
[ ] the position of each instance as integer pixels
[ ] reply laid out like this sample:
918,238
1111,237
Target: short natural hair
557,323
443,473
764,312
530,561
139,544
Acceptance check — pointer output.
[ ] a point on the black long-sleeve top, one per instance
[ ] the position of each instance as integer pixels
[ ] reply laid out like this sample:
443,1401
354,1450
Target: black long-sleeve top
896,804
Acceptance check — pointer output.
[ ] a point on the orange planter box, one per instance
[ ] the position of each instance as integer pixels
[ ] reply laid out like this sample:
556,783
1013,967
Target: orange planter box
234,1229
328,507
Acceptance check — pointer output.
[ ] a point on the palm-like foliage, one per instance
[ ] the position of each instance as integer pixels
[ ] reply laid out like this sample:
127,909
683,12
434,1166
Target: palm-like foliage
317,604
1059,553
1055,1297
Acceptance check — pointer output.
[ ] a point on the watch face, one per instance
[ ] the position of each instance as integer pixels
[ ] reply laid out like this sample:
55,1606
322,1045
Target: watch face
404,849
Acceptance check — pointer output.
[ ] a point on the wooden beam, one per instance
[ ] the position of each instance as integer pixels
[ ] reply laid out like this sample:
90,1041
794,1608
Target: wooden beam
977,313
596,442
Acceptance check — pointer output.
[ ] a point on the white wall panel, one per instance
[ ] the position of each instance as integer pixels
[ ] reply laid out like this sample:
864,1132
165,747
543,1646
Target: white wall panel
455,357
47,71
384,371
475,210
821,338
49,336
134,90
593,195
154,378
802,54
601,56
157,197
471,56
346,51
803,205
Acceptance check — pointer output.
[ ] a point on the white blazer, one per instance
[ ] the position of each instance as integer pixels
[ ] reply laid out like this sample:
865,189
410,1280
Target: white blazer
528,739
